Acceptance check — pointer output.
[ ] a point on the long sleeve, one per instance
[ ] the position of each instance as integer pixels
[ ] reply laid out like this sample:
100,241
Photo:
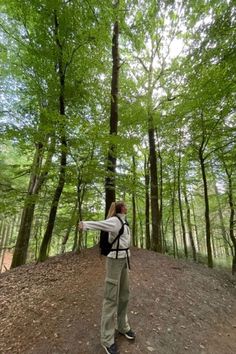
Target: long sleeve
110,225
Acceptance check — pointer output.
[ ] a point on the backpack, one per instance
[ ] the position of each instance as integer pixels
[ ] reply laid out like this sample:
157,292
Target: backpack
104,244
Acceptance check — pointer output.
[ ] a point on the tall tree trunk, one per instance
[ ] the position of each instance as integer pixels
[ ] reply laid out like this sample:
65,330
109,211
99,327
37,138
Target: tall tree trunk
77,245
195,226
175,244
222,225
190,231
181,210
232,217
62,173
110,185
162,234
207,209
155,212
134,221
147,203
35,184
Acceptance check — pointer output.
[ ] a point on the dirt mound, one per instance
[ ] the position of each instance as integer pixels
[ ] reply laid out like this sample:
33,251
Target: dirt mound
175,307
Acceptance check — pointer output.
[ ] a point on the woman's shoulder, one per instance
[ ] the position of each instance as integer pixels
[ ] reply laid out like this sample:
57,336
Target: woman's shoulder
112,218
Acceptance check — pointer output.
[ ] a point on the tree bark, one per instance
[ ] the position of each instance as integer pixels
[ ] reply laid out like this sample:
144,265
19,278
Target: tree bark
190,231
155,212
2,244
35,184
63,160
207,209
161,197
195,227
181,211
175,244
134,221
231,217
147,203
110,184
222,224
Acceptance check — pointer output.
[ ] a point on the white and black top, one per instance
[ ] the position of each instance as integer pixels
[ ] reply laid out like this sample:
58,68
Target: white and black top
113,226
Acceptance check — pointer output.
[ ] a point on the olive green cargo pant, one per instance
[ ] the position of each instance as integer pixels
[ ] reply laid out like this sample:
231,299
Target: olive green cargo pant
116,298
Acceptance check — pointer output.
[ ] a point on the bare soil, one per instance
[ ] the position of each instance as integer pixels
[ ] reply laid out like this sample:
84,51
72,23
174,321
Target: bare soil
176,307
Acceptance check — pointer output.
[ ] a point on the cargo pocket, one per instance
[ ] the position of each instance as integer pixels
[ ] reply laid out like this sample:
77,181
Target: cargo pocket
111,288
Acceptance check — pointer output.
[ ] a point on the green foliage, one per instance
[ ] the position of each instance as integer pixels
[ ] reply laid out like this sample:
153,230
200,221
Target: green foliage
189,93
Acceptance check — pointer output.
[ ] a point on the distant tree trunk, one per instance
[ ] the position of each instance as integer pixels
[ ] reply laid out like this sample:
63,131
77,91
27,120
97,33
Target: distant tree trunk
134,236
207,209
6,243
69,227
141,237
13,224
62,173
181,210
232,216
2,244
190,231
147,203
78,235
110,185
195,226
155,212
37,179
161,194
165,228
222,225
79,217
2,234
175,244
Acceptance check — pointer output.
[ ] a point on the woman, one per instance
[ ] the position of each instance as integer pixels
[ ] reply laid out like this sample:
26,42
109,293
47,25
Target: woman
116,296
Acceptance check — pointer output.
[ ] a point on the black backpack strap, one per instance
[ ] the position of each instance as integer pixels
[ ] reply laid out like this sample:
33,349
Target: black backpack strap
118,243
118,237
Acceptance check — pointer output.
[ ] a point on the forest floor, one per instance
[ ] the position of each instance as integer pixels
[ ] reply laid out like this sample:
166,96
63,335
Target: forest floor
175,307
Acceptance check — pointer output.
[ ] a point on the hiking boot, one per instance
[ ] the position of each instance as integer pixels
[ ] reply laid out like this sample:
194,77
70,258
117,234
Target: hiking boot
111,350
129,335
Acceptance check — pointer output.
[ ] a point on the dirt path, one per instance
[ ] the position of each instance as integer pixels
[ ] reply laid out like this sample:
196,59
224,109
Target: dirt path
175,307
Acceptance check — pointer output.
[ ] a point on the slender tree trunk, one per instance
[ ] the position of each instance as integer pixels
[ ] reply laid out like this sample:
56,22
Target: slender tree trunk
62,173
190,231
231,218
222,225
175,244
207,209
195,226
80,198
134,221
155,212
161,195
69,227
141,237
181,210
2,244
147,204
110,185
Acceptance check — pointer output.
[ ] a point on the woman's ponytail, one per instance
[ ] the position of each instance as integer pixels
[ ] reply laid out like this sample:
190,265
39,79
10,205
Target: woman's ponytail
115,208
112,210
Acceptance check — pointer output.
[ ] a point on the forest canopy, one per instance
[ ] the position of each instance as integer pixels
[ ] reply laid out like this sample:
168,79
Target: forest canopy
125,100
